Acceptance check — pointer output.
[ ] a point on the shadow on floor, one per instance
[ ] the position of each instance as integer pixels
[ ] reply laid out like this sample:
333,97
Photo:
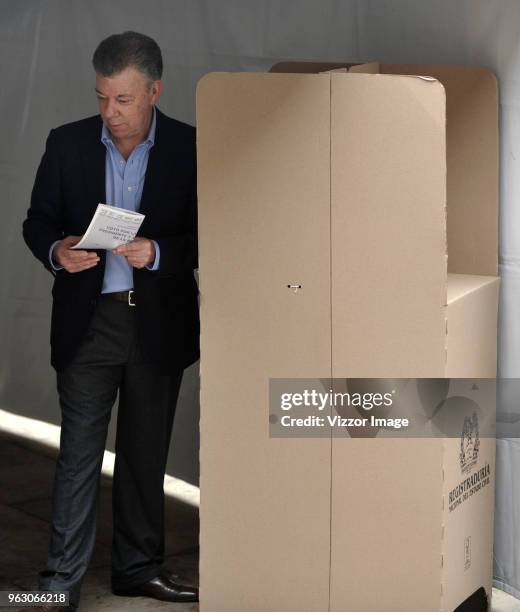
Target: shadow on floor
26,476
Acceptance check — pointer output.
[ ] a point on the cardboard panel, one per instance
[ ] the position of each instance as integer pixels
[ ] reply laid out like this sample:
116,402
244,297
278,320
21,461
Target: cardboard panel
472,326
388,185
468,532
472,157
472,353
263,154
388,291
386,525
336,183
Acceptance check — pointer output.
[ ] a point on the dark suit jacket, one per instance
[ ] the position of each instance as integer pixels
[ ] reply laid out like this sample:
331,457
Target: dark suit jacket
69,184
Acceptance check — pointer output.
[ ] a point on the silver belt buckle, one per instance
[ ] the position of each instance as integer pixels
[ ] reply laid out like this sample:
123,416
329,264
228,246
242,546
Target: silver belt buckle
130,295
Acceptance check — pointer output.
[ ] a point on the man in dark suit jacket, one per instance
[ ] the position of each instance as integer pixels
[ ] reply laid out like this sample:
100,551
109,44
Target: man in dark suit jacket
123,321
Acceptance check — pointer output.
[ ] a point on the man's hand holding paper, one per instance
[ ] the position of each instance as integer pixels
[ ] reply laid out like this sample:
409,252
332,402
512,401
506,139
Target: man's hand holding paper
73,261
140,252
112,229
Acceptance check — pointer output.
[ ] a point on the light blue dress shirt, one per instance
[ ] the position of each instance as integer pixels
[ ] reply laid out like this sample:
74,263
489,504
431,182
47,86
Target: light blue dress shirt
124,180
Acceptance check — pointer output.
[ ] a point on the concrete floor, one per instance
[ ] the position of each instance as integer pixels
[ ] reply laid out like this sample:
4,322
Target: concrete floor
26,472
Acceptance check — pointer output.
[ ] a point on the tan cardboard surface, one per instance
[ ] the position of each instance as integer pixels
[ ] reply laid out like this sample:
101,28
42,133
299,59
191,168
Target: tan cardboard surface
388,226
336,70
388,291
263,155
468,527
460,285
335,183
472,327
472,154
471,353
386,525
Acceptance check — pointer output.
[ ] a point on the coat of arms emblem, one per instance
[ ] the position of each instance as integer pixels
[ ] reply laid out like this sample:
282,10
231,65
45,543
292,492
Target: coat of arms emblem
469,443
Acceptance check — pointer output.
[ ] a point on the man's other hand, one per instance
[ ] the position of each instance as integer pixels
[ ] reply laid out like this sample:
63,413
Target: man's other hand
139,253
71,260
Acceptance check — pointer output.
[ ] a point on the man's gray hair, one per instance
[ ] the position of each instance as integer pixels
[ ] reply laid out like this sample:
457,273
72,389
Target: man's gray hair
119,51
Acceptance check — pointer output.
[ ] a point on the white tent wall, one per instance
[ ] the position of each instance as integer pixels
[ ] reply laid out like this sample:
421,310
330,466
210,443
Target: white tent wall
47,80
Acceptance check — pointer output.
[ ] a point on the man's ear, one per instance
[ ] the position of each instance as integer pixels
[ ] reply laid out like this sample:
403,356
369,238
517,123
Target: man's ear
155,91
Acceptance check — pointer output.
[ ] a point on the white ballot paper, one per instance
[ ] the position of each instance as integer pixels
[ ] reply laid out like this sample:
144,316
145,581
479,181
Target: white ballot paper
110,227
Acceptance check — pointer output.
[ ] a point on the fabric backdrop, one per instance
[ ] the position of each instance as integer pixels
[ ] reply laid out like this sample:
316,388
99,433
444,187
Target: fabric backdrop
47,80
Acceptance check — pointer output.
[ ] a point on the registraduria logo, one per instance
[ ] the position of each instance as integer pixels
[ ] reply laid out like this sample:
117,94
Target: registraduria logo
469,444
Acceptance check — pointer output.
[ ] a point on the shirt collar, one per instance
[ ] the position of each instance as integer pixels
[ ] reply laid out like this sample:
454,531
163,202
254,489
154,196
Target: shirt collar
106,137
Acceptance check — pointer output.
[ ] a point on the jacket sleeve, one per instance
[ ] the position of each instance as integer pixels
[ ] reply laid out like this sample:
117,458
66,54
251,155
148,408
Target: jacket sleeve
43,225
179,253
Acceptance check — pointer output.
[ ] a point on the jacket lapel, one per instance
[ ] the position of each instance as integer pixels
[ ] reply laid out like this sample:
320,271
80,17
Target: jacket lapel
93,161
156,173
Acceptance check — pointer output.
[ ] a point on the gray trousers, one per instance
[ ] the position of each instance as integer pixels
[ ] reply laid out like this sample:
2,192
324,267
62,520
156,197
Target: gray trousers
108,361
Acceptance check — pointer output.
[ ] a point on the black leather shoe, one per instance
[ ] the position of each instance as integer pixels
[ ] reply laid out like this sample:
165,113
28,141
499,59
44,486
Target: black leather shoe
161,588
170,576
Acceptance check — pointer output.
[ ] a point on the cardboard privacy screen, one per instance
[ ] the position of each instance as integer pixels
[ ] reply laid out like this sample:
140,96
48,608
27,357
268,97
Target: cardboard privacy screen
373,189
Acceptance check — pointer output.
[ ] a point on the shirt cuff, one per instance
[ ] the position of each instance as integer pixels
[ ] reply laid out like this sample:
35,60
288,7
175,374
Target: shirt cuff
155,265
54,266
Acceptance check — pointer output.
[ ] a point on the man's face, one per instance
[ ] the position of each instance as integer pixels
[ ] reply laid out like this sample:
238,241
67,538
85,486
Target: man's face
125,103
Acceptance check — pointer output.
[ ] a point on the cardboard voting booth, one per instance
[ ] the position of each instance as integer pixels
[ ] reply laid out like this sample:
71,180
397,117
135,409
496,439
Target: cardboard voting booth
373,189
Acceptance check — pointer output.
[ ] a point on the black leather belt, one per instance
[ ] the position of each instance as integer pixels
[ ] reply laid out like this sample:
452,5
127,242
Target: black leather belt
121,296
